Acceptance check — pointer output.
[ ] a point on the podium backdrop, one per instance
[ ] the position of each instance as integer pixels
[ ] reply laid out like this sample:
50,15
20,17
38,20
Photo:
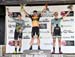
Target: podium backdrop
67,28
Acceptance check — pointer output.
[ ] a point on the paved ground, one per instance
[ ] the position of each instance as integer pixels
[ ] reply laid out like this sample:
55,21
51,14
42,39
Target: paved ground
39,53
51,55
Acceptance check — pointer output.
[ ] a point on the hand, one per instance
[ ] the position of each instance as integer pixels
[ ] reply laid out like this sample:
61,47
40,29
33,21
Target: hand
9,13
46,5
20,30
7,9
70,7
22,8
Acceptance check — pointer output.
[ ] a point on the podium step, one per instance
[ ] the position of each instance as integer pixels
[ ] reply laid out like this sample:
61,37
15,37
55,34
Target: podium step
13,55
69,55
57,55
37,53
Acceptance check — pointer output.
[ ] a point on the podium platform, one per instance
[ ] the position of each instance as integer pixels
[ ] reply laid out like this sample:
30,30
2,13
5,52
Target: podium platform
37,53
69,55
14,55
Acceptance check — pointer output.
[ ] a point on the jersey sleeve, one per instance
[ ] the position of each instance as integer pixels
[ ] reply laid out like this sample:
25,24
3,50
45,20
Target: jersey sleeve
11,16
23,25
61,18
39,16
52,21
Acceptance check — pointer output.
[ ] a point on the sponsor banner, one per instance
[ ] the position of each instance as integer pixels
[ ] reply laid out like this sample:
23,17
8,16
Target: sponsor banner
67,29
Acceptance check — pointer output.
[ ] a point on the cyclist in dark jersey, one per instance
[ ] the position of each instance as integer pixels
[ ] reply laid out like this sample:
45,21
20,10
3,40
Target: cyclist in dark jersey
20,25
56,29
35,26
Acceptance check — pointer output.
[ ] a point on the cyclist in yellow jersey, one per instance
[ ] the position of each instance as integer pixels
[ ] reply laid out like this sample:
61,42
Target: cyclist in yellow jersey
35,25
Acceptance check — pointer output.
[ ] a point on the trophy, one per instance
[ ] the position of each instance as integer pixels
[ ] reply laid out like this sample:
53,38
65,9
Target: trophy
22,7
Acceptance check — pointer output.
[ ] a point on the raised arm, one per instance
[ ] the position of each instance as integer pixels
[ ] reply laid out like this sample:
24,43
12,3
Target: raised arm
22,8
70,9
9,13
45,9
26,13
